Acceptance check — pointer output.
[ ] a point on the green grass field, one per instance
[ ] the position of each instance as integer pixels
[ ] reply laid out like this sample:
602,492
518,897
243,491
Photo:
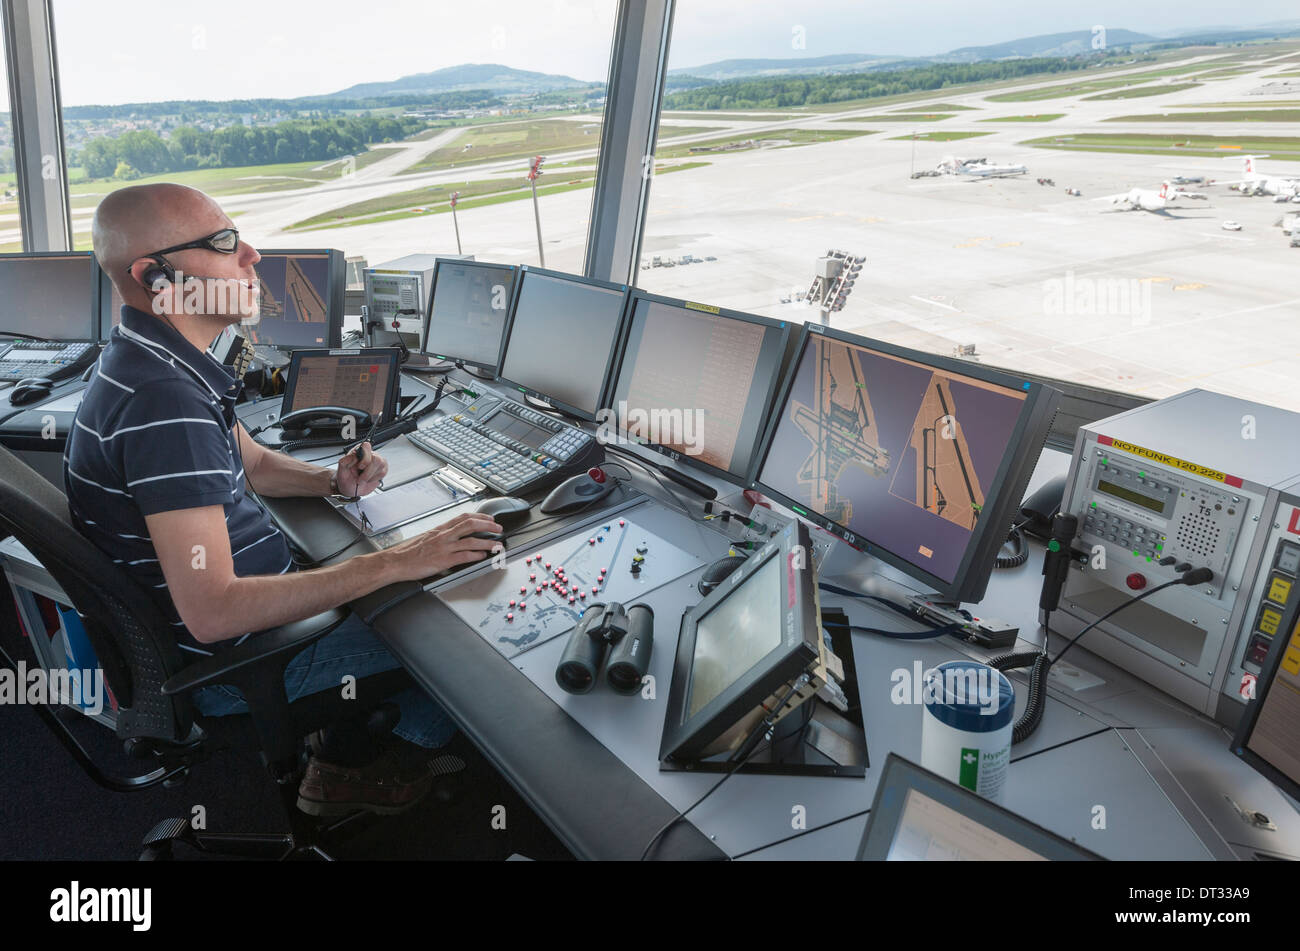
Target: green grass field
522,140
1264,102
940,107
900,117
495,197
938,136
1277,147
229,181
1032,117
1258,115
1140,92
790,138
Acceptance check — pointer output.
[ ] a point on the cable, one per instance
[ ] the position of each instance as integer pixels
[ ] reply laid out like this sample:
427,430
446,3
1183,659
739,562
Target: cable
1132,600
924,634
20,336
764,725
1015,537
673,496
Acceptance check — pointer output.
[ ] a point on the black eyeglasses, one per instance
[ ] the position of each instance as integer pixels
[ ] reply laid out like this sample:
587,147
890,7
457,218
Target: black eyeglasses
225,241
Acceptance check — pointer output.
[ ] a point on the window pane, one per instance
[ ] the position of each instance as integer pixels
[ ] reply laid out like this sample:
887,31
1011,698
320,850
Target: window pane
333,124
11,236
985,193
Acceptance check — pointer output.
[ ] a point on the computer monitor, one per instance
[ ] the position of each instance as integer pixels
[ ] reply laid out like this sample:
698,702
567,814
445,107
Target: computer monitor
301,301
695,382
49,295
367,380
919,816
467,312
739,650
915,459
560,339
1268,735
108,302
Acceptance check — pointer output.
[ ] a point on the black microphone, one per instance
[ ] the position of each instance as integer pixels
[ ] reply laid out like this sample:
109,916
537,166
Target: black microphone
1056,563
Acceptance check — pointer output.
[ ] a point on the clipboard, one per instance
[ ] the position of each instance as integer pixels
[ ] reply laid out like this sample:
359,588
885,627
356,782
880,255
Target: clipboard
386,509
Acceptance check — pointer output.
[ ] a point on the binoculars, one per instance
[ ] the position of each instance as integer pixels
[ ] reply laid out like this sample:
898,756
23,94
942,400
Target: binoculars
626,635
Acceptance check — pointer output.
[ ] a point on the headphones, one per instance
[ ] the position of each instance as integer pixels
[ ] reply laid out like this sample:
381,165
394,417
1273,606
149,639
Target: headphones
159,271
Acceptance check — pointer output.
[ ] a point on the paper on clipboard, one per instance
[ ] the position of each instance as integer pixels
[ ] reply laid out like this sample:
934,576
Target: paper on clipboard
384,509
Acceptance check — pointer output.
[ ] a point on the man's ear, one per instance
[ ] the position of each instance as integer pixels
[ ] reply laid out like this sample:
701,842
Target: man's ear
153,276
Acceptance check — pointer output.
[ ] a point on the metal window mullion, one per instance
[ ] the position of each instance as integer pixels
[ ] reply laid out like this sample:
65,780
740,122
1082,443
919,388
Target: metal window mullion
39,154
634,93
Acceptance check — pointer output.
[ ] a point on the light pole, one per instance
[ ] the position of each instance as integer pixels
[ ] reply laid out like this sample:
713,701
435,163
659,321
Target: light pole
533,171
454,221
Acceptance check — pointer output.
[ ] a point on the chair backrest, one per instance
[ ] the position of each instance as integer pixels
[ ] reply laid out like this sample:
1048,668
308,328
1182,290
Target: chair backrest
130,635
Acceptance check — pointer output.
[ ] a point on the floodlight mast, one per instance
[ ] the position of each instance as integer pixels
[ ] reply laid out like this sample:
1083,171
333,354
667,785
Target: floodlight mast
455,223
535,170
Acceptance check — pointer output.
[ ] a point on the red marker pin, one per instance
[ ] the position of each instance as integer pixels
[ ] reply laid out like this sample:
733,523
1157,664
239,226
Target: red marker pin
539,589
510,617
528,561
512,604
532,577
583,595
523,590
560,570
548,566
522,605
622,523
571,599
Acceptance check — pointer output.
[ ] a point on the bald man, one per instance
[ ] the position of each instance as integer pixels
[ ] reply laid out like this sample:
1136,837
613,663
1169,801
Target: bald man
156,470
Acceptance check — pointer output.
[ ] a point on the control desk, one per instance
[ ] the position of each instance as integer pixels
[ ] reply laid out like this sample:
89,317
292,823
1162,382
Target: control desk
1116,766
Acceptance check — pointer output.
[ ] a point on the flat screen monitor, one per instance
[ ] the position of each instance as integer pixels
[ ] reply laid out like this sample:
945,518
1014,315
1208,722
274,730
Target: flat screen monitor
561,337
367,380
48,295
695,382
918,816
739,648
916,459
467,312
301,300
1268,735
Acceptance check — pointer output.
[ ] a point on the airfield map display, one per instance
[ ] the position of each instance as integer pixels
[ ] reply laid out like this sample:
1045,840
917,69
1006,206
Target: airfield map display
899,453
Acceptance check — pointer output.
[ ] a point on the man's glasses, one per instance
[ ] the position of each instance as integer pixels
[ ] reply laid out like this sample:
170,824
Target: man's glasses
225,241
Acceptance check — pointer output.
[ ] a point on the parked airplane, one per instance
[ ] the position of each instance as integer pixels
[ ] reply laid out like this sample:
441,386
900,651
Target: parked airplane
1257,184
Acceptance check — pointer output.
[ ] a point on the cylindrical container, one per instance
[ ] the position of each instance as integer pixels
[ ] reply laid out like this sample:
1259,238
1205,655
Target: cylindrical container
967,724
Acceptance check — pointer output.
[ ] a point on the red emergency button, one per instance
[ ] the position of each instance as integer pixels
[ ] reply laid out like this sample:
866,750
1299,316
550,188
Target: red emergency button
1137,581
597,474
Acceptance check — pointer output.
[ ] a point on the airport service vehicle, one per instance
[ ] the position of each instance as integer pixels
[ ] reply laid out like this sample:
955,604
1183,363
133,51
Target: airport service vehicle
1232,226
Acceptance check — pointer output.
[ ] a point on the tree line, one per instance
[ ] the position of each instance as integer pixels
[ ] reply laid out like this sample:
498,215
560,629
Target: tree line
459,99
794,91
144,152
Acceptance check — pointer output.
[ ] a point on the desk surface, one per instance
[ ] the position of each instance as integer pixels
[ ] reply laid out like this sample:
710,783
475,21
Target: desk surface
1122,769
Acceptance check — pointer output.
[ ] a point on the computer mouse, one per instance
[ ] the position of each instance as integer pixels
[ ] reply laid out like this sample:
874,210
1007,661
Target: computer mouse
489,536
505,510
719,572
578,492
29,391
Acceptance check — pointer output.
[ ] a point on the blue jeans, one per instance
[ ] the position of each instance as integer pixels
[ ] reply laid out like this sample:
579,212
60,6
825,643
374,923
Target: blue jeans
350,649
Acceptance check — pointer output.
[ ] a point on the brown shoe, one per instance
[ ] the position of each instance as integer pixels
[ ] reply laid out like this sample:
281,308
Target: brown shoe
384,787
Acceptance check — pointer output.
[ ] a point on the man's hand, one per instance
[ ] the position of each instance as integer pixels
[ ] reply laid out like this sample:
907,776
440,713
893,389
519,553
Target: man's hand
444,547
363,477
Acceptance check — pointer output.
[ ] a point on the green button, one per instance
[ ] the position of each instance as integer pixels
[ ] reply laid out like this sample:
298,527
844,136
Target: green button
1137,554
1053,545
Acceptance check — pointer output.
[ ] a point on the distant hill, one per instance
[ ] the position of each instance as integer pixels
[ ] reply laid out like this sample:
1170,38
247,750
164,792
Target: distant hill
1050,44
498,79
797,65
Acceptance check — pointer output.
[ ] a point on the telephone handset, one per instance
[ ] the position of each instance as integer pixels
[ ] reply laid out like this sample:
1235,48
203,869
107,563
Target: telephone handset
323,420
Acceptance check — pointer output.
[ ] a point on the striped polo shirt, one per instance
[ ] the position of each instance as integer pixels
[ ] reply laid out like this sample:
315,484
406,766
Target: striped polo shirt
155,433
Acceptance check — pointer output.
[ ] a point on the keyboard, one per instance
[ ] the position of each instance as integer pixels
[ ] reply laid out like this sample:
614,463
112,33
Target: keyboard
505,468
469,442
54,359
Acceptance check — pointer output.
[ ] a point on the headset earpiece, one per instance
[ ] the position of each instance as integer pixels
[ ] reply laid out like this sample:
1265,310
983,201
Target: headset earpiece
160,272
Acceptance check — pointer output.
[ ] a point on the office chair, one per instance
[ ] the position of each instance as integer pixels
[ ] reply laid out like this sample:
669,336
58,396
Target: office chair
143,667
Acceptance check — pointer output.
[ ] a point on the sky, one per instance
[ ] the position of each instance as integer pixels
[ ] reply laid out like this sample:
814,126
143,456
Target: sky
240,49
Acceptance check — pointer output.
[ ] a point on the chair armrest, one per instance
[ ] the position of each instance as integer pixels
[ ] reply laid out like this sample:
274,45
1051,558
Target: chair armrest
237,663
